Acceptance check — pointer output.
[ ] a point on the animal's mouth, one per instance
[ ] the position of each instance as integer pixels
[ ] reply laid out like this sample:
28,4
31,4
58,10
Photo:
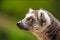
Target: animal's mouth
21,26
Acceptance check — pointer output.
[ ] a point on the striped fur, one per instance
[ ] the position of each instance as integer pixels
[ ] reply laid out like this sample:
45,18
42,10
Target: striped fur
45,27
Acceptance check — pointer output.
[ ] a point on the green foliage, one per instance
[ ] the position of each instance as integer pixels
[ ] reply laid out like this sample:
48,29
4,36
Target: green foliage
15,11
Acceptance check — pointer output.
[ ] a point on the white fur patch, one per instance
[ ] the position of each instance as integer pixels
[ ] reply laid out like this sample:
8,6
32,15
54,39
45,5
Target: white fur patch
29,15
45,13
30,10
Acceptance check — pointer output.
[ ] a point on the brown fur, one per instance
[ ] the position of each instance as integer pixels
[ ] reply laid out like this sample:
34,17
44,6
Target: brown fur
51,32
43,32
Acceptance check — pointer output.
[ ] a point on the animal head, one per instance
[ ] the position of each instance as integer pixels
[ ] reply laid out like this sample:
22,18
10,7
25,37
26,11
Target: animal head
35,20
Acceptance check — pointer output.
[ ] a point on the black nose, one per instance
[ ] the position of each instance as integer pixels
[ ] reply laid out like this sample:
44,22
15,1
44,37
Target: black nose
20,25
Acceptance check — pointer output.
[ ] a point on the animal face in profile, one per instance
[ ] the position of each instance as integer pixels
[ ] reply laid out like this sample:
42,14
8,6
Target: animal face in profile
34,20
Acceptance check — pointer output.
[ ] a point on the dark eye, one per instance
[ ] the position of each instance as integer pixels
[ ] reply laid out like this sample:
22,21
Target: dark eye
30,20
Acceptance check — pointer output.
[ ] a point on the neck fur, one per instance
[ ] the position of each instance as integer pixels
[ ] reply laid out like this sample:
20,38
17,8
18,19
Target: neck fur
49,32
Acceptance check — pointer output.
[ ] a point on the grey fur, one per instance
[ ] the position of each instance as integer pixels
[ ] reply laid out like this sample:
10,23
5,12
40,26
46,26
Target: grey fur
54,28
50,32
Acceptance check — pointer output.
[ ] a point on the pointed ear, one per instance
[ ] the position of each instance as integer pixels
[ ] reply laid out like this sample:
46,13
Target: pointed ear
30,9
43,14
41,17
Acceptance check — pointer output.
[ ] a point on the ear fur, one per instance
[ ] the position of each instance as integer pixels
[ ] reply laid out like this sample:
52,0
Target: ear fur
44,15
30,9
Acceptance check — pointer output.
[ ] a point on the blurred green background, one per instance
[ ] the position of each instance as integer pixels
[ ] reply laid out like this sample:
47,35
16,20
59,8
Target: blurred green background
11,11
